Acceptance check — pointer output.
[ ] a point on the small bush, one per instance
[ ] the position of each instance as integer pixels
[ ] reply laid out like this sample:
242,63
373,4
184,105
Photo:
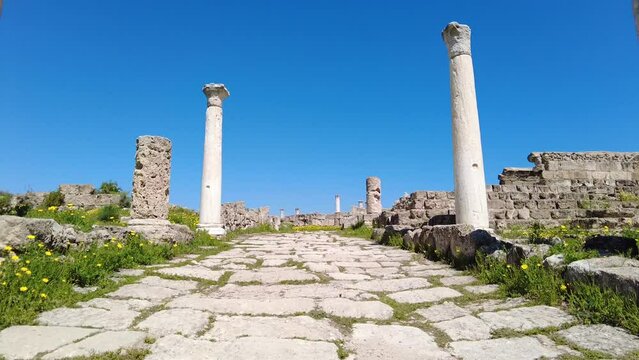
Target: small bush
359,230
396,240
5,203
22,208
125,200
54,198
109,187
109,213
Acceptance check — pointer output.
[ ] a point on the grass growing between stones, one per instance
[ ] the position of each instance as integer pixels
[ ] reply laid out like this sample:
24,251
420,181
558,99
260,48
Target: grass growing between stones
588,302
133,354
315,228
359,230
39,279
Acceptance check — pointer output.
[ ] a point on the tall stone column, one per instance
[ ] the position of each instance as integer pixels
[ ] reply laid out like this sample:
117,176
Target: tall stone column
281,213
211,195
471,204
151,180
373,195
337,204
297,211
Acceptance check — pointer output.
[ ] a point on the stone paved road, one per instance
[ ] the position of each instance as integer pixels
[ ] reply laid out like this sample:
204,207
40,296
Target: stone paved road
310,296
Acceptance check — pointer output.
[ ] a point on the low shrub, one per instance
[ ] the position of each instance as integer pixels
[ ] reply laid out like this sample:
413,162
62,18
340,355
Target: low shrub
109,214
316,228
109,187
5,203
54,198
592,304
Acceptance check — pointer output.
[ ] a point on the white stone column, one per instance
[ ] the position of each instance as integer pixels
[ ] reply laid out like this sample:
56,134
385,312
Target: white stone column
211,195
471,204
360,204
373,195
297,211
337,204
281,213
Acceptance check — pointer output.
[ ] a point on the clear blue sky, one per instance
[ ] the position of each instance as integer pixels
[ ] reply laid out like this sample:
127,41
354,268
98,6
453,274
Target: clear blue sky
323,92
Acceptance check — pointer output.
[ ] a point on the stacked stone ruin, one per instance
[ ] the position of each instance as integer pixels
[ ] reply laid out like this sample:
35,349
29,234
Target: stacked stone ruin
589,189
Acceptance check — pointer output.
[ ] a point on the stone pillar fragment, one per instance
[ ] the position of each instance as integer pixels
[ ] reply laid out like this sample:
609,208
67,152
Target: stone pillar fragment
373,195
151,179
297,211
471,205
281,213
360,204
337,204
211,193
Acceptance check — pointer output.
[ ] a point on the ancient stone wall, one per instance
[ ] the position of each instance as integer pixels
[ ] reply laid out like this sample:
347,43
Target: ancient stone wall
237,216
85,196
587,189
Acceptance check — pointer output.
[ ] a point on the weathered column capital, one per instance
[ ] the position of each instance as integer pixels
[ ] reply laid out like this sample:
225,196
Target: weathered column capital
457,39
215,94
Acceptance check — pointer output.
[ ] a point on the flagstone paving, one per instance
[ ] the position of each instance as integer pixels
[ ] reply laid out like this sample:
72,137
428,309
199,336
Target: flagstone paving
310,296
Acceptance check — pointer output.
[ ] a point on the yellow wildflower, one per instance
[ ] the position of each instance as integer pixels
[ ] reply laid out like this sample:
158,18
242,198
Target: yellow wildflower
18,275
120,246
8,248
141,244
4,283
40,245
43,295
28,272
174,245
111,217
524,266
48,253
508,266
23,288
40,210
563,227
45,280
52,208
64,280
82,217
563,287
98,265
15,258
24,269
106,245
69,205
28,261
30,237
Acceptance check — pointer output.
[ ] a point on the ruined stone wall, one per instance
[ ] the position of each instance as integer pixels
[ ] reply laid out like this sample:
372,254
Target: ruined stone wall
237,216
341,219
587,189
85,196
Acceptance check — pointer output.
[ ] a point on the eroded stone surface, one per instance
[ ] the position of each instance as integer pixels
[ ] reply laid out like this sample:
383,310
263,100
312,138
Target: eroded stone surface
381,342
109,341
424,295
457,280
522,348
356,309
601,338
301,327
442,312
272,277
89,317
193,271
391,284
25,342
464,328
244,306
187,322
526,318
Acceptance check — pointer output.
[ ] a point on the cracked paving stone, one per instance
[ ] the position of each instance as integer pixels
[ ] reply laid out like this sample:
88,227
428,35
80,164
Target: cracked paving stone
390,284
145,292
321,267
464,328
344,276
381,342
247,348
272,277
109,341
496,304
187,322
301,327
424,295
357,264
181,285
457,280
117,304
193,271
526,318
356,309
601,338
89,317
442,312
240,306
25,342
521,348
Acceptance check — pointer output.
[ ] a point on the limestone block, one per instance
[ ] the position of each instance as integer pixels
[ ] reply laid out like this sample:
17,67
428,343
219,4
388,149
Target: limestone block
618,273
151,178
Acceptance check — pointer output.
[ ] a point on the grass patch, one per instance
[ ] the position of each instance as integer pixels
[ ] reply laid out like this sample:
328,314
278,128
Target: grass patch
133,354
592,304
82,220
359,230
628,197
184,216
401,312
39,279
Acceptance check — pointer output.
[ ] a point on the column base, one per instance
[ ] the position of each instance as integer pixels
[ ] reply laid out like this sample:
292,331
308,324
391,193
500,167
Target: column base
212,229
